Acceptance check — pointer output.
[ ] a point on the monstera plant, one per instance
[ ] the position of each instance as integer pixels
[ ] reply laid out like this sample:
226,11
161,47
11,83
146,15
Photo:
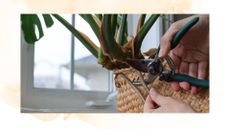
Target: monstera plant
116,46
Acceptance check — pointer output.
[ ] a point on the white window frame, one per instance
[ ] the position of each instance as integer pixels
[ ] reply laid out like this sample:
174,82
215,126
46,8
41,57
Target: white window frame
59,100
54,100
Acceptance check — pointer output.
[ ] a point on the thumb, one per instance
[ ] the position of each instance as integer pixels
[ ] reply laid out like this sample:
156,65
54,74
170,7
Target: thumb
149,104
166,40
164,47
156,97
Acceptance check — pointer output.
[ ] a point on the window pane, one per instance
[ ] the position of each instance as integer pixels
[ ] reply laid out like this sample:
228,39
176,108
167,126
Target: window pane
89,75
52,52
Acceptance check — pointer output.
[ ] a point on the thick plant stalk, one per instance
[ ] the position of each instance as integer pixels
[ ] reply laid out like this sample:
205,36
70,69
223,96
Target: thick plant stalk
141,22
93,24
121,31
79,35
108,43
141,35
113,24
99,16
100,56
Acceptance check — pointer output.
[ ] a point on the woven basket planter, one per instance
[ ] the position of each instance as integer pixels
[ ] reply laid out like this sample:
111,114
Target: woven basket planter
131,98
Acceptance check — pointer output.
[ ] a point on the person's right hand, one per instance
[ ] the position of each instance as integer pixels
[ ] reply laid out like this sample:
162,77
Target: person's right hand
191,56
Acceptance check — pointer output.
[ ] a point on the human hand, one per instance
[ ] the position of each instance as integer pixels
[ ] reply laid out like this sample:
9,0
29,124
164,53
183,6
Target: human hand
191,56
156,103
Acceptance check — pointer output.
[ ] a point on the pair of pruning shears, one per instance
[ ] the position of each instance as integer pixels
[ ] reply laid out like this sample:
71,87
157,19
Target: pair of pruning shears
154,66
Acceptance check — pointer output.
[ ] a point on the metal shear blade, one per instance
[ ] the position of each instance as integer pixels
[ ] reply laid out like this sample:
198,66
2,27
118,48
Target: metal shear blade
151,78
142,65
139,64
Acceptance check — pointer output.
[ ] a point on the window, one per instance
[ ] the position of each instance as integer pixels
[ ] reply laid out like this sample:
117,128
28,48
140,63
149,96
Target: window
51,52
58,74
54,56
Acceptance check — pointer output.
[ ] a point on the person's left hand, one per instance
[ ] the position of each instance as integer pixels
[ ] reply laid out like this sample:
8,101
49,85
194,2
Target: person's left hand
161,104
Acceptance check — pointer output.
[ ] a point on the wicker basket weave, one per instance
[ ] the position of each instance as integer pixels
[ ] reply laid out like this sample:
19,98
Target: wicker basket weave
131,98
